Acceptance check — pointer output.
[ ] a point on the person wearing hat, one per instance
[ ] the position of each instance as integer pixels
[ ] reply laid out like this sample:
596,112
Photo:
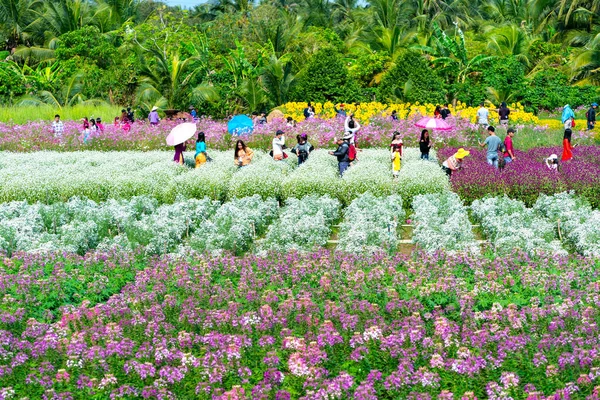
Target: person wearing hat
341,112
454,163
303,148
278,143
591,116
153,116
552,162
342,152
351,126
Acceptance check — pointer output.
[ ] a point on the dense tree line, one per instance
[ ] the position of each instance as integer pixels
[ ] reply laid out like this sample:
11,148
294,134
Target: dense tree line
227,56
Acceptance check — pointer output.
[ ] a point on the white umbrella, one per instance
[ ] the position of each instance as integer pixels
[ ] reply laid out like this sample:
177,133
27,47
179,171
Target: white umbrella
181,133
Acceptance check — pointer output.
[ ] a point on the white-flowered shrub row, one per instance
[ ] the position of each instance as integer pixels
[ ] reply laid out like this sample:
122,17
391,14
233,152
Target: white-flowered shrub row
50,177
303,225
510,225
578,224
370,224
235,225
442,223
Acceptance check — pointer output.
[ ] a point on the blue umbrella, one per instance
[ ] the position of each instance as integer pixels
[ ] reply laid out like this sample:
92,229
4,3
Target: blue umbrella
240,125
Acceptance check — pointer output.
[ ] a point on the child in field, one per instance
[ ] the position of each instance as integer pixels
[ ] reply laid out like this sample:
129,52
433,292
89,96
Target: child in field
396,153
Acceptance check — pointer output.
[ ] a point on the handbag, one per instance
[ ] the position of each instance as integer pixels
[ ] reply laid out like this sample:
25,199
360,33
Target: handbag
573,122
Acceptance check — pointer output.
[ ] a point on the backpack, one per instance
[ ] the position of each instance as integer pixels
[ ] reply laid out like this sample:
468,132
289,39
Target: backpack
587,115
351,152
502,147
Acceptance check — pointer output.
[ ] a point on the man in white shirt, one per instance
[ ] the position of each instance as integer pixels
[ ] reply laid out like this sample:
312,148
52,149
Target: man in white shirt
482,116
278,143
57,126
351,126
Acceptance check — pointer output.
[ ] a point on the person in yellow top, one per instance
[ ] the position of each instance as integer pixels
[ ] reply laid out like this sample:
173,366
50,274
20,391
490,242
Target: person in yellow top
454,163
242,154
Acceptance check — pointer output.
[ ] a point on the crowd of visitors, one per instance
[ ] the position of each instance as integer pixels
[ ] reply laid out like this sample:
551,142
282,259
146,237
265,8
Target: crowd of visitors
499,153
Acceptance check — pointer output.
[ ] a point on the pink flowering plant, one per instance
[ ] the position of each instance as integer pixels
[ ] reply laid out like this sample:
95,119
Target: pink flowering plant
319,326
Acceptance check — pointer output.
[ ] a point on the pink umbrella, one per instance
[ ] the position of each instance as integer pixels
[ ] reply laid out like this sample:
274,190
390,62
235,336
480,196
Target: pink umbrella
437,124
181,133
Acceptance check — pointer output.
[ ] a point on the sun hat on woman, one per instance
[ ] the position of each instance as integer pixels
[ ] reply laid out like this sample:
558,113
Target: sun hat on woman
461,153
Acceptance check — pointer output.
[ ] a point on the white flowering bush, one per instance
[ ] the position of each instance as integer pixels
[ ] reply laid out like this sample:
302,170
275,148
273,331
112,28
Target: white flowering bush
263,177
510,225
421,177
579,224
235,225
80,224
303,224
317,176
442,223
370,224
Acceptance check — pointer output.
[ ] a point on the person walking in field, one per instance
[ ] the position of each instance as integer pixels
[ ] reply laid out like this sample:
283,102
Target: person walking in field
503,113
278,144
591,116
341,153
201,155
445,111
425,144
483,116
567,146
509,152
58,128
153,116
454,162
493,143
396,154
351,126
568,117
303,148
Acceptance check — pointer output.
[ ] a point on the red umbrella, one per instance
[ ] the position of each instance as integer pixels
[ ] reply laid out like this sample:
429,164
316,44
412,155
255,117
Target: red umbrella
437,124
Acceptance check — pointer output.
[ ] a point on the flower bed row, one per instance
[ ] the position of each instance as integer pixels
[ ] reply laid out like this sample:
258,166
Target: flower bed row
318,326
555,224
56,177
442,223
529,176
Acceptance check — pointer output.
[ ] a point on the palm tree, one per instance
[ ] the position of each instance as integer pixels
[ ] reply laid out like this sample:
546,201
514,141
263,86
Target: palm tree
16,15
585,68
167,80
69,94
510,40
62,16
278,79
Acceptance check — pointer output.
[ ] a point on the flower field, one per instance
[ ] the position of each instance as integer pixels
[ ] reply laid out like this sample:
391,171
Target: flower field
529,176
123,275
288,326
50,177
376,131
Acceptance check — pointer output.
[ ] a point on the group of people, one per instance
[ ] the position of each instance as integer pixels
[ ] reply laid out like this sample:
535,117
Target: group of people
483,115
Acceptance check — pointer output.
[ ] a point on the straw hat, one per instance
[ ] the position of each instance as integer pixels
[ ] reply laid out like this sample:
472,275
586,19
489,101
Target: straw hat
462,153
154,108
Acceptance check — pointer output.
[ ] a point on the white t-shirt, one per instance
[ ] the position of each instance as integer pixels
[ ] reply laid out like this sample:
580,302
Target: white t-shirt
278,145
482,115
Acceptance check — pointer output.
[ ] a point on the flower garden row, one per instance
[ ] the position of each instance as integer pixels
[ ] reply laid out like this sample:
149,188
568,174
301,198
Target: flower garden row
376,131
556,224
56,177
289,326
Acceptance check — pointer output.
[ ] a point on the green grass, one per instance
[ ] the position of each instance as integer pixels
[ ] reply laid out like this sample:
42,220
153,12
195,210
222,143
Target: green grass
23,114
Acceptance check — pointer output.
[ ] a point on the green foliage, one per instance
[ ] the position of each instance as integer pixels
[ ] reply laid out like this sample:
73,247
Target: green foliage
12,83
550,89
88,45
412,80
368,68
325,79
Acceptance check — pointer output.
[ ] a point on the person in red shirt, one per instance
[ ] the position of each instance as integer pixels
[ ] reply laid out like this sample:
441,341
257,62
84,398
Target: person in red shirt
509,152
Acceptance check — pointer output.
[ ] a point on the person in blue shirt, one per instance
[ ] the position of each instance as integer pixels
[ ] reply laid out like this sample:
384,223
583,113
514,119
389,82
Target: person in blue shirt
493,143
341,112
200,156
193,112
